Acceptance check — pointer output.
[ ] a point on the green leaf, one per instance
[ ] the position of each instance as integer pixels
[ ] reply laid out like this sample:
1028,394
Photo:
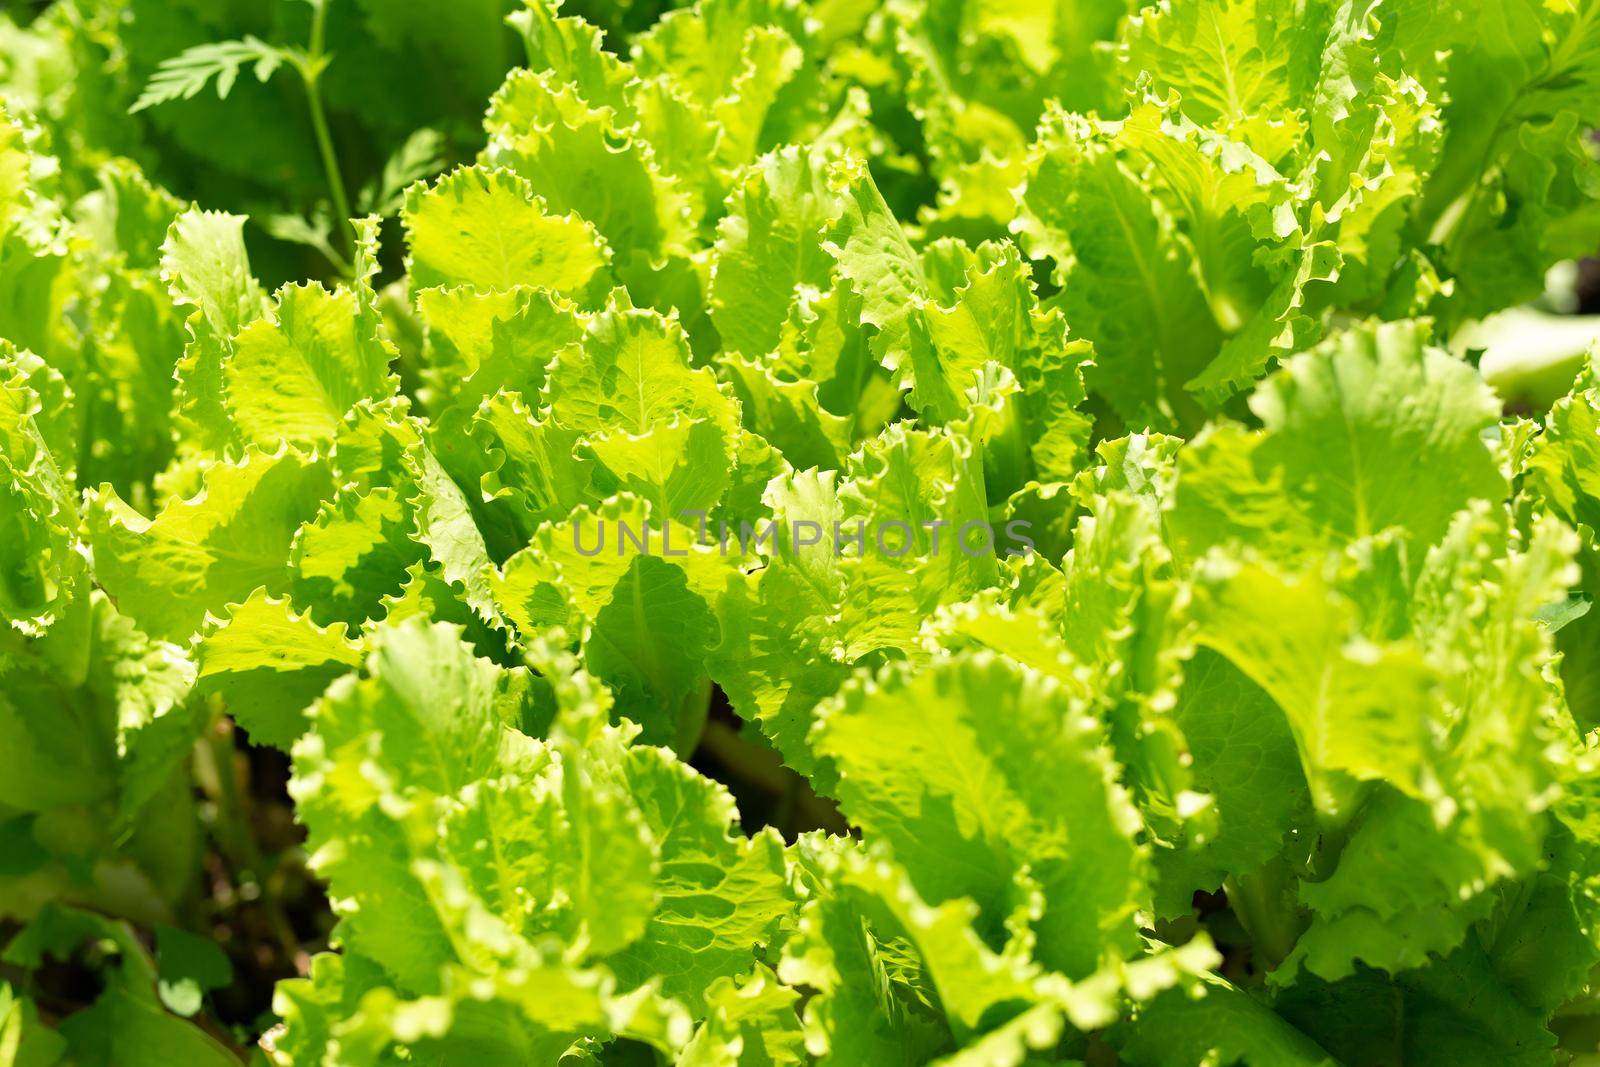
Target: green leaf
355,551
217,548
126,1023
183,76
768,244
482,342
19,1021
488,229
268,664
1127,283
419,158
204,263
294,374
42,571
205,266
1329,465
1215,1023
753,1016
188,967
718,894
1245,758
439,733
1359,710
1238,67
580,159
968,811
648,643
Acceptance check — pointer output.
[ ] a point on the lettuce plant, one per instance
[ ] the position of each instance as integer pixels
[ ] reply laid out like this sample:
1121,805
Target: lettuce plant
933,532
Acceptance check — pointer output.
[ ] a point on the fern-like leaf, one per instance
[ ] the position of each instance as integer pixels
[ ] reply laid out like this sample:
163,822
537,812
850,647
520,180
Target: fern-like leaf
184,75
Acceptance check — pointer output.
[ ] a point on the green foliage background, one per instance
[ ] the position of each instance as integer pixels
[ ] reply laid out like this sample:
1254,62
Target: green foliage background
323,323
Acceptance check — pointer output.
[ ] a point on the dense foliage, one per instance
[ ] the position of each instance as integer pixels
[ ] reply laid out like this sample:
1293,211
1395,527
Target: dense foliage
1278,749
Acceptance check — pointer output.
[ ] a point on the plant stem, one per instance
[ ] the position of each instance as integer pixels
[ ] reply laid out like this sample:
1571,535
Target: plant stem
692,719
311,72
1263,902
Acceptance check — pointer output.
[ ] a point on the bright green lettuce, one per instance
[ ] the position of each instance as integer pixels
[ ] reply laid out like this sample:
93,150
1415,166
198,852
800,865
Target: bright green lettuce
1256,728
